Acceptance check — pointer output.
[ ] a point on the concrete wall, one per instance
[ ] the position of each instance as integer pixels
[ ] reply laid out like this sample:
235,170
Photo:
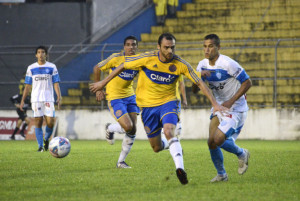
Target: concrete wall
264,124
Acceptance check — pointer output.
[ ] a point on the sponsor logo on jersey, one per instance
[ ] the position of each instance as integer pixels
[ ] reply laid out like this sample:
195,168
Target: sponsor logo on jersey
127,74
42,78
160,77
220,87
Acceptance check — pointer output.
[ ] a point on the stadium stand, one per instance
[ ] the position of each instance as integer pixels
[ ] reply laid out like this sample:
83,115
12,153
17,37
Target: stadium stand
250,33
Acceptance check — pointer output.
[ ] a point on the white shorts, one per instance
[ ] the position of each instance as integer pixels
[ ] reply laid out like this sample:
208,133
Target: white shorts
41,109
232,123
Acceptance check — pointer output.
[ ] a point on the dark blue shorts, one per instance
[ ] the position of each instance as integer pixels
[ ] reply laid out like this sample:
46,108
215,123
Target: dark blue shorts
119,107
155,117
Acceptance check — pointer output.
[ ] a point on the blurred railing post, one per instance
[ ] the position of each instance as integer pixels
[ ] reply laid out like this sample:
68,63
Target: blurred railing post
275,76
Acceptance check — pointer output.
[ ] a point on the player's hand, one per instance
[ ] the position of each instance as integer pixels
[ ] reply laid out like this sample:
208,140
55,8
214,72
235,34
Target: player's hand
58,101
221,109
21,106
97,86
100,95
184,104
205,73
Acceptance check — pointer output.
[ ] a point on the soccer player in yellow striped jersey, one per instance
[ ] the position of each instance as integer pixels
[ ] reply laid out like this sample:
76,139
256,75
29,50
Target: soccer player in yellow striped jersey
121,99
156,95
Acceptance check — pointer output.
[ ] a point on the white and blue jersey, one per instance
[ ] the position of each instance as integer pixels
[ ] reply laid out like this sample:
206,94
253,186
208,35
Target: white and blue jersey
225,80
42,77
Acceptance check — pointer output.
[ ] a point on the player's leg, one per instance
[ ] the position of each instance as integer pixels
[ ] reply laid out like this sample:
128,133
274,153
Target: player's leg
38,113
49,117
215,151
19,122
23,117
128,122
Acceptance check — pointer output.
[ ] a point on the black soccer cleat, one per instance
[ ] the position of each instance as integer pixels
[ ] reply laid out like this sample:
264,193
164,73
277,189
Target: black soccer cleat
46,145
41,149
182,176
22,134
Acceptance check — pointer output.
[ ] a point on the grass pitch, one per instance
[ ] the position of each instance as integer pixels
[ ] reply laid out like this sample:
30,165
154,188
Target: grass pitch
89,173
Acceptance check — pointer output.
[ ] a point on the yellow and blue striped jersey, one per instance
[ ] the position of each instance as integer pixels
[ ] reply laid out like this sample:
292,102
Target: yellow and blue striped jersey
157,80
121,85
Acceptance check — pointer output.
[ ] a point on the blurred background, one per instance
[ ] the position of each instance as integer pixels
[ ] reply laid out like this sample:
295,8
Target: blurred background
263,36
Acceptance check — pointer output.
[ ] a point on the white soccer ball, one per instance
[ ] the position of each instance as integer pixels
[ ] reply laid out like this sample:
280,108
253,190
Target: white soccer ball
59,147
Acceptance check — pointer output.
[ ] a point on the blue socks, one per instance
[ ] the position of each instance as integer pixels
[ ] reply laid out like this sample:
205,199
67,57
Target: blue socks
230,146
218,160
48,133
39,136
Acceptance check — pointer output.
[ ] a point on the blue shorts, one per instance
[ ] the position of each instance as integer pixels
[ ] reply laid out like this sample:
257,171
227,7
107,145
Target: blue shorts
119,107
155,117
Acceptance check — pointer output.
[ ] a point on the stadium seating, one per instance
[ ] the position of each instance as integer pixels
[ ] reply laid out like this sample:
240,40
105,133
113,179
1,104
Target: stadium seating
249,31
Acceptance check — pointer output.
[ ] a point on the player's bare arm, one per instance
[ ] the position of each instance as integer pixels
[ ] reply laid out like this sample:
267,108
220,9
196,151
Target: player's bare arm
58,94
206,91
100,95
25,93
183,93
245,86
94,87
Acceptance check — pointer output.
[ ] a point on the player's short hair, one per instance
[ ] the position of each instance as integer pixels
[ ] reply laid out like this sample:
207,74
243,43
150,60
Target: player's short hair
167,36
41,47
130,38
214,37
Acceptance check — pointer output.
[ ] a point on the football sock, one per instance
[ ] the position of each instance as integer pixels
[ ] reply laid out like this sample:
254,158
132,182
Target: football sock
24,127
126,147
230,146
164,141
48,133
176,152
39,136
217,159
116,128
15,131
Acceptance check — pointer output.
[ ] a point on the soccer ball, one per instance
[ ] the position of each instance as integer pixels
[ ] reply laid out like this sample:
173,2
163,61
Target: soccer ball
59,147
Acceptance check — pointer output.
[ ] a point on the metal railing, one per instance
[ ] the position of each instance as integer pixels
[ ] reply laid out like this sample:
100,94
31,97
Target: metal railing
104,50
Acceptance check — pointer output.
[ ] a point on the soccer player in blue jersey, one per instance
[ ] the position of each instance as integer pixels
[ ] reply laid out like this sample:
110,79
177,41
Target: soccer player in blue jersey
159,72
42,76
229,83
121,99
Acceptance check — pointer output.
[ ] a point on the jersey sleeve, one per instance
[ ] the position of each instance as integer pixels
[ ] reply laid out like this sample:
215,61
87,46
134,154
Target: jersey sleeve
237,71
28,77
191,73
108,62
55,76
137,61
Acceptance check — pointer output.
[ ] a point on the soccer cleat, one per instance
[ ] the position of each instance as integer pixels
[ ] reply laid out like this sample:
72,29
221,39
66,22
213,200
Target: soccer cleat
22,134
122,165
243,162
219,178
12,137
46,145
41,149
109,135
182,176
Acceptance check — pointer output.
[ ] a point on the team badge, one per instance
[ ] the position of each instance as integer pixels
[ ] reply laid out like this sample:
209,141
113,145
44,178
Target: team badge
119,113
172,68
218,74
147,129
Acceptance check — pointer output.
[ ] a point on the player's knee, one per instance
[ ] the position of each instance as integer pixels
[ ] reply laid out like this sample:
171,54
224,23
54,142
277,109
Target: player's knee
156,149
129,127
211,144
219,139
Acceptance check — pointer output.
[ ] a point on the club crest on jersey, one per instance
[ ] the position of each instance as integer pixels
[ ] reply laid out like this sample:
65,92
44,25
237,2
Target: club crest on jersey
218,75
172,68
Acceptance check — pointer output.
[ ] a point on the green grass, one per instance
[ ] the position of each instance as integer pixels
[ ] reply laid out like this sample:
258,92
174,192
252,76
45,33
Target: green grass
89,173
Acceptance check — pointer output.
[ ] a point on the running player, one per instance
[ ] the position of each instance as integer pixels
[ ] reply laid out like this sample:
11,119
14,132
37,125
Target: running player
121,99
229,83
43,76
156,95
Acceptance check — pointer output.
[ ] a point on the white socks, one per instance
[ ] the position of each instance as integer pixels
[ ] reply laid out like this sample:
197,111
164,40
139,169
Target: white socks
126,147
176,152
116,128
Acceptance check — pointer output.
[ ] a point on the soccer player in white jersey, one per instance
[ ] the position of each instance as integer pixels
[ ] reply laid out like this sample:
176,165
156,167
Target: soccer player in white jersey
42,76
229,82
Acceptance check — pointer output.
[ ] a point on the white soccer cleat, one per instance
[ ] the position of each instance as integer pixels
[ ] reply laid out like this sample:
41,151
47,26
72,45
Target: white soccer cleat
109,135
243,162
219,178
122,165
